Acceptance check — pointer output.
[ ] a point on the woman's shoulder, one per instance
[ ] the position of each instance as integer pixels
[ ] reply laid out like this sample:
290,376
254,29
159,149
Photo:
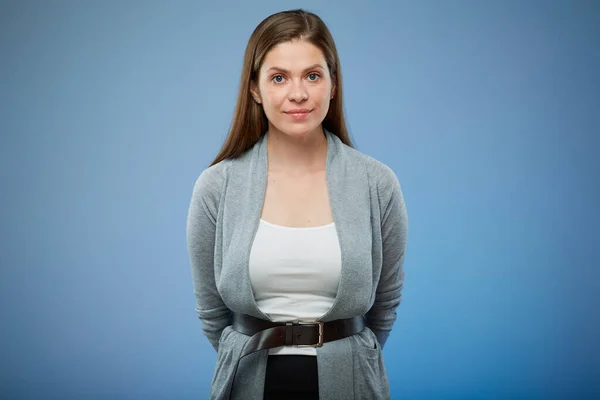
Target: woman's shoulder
384,180
217,175
211,179
379,172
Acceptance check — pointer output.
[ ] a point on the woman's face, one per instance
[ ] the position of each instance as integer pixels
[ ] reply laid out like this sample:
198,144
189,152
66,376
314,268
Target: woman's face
294,76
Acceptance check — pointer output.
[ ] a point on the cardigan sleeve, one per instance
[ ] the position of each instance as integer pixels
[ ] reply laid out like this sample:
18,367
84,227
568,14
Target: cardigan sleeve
394,230
200,234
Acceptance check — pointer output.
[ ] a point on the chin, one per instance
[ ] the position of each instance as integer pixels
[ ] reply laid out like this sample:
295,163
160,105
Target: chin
299,129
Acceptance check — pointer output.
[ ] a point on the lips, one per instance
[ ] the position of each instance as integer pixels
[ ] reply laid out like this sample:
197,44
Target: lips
298,111
298,116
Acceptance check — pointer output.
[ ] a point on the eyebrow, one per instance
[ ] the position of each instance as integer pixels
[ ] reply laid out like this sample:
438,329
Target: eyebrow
305,69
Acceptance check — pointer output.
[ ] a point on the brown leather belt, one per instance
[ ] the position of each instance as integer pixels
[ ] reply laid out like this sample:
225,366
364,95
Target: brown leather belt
266,334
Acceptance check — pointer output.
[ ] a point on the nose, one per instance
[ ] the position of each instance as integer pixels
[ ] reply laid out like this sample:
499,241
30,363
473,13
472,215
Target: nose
297,91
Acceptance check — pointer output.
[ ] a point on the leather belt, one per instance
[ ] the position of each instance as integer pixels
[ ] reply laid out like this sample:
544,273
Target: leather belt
266,335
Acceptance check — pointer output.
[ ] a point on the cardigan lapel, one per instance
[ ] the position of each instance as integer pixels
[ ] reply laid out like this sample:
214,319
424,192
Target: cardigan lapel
348,189
255,183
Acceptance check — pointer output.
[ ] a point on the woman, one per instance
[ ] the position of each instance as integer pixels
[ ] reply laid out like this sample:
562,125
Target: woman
296,239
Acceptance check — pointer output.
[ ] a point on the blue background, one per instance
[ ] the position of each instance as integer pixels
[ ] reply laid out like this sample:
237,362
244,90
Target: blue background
489,112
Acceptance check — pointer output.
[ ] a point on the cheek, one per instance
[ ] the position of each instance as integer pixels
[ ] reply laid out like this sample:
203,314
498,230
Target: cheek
322,97
322,94
273,98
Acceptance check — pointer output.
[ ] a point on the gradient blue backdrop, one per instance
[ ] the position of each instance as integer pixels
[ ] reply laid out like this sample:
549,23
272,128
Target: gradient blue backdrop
488,111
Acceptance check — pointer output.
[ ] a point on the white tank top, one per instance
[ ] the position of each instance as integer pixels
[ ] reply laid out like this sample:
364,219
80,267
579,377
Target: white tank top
295,273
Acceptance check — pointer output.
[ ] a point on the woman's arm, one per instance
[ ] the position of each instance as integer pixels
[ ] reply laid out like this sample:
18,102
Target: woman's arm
394,230
200,232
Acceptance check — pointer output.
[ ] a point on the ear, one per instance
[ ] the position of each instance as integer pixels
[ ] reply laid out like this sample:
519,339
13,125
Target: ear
255,93
332,92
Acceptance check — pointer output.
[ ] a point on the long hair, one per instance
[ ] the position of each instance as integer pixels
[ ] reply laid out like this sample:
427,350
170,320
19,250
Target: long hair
249,120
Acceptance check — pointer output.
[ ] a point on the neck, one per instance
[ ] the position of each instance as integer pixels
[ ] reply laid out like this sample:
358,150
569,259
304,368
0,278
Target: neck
296,154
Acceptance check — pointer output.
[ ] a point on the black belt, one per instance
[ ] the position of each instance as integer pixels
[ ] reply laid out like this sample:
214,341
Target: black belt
266,334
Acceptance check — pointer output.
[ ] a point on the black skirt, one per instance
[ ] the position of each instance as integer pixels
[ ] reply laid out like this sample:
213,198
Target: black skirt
291,377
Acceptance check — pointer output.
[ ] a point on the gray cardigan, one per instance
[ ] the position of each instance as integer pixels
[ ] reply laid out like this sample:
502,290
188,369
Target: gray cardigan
371,221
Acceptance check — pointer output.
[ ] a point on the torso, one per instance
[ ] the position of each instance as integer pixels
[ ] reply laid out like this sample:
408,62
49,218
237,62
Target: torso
297,201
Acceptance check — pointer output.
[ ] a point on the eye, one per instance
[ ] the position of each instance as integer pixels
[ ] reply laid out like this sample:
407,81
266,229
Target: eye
313,77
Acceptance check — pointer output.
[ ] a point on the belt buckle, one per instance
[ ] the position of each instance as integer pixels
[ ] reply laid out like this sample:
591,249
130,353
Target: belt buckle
320,343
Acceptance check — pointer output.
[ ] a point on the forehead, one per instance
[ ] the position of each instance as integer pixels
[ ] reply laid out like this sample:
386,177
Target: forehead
294,56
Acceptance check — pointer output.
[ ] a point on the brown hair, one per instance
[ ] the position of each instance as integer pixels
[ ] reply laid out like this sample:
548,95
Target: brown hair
249,121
